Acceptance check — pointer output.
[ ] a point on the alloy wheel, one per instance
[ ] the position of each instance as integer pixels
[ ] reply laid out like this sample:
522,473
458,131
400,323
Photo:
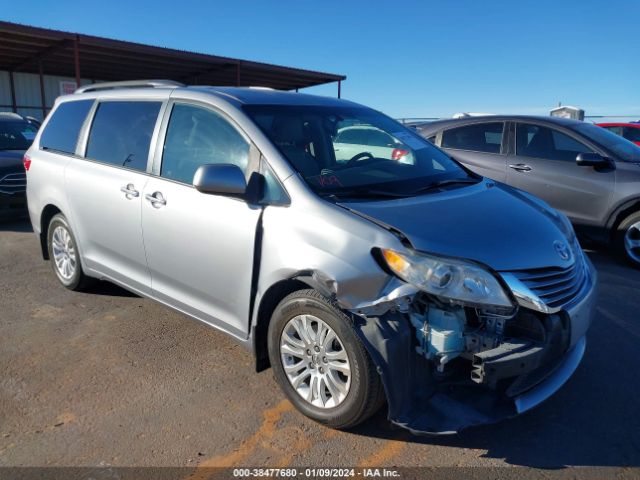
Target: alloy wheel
315,361
632,241
64,253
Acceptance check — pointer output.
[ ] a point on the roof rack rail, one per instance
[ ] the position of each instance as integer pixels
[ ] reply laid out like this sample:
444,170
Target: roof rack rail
94,87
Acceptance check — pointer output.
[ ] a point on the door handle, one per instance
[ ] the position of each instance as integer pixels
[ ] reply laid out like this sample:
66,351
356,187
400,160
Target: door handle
156,199
130,191
520,167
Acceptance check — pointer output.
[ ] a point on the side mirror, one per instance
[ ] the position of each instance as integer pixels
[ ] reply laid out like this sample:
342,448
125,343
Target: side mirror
591,159
220,179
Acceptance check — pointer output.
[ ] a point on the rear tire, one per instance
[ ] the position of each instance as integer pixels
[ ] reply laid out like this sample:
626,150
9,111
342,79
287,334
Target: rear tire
627,239
339,384
64,255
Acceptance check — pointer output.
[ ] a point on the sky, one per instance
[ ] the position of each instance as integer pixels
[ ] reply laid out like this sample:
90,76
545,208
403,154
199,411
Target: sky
405,58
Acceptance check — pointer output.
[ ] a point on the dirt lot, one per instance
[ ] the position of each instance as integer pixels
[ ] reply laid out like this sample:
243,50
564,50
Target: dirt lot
108,378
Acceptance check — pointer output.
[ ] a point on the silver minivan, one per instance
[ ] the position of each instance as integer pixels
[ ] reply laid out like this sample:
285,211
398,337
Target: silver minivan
457,300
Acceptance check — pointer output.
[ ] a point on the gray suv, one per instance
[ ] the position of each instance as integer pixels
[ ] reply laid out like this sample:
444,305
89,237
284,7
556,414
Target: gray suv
585,171
395,274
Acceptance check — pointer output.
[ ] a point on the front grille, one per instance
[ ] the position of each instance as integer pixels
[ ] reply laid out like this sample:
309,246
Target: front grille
555,286
13,183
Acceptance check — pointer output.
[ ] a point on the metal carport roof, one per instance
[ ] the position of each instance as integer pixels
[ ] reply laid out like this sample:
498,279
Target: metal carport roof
39,50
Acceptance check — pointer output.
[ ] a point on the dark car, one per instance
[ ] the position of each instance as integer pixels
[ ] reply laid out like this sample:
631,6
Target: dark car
16,135
587,172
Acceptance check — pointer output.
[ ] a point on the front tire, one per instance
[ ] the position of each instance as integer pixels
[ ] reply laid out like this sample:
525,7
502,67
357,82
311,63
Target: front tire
627,239
64,255
320,363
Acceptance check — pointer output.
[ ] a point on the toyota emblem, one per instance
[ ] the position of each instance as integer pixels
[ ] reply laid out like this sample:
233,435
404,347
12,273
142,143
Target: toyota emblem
563,250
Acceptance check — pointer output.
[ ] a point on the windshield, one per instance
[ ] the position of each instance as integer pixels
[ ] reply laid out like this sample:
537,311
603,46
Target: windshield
351,151
16,135
621,147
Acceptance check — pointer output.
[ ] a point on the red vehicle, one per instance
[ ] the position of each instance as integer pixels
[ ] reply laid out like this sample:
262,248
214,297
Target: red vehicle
630,131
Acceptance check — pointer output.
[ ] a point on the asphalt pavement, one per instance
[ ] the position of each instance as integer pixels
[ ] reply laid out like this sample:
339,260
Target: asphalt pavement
108,378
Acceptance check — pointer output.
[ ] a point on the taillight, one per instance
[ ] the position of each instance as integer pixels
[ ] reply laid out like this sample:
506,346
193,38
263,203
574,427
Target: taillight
26,161
398,153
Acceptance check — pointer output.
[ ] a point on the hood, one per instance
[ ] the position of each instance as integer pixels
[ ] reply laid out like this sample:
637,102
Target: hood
486,222
11,161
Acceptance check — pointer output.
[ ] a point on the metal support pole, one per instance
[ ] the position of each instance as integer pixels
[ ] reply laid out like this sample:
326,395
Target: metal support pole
339,87
76,56
43,101
13,93
238,74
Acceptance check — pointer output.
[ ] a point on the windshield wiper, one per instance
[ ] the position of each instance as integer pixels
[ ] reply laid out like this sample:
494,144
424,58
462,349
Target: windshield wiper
373,193
364,193
445,183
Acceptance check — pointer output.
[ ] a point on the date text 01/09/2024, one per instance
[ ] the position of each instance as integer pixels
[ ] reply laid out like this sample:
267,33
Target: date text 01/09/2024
315,472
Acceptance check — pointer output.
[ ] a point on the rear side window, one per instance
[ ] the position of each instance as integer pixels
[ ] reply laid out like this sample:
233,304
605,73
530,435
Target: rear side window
121,133
63,128
483,137
198,136
632,134
542,142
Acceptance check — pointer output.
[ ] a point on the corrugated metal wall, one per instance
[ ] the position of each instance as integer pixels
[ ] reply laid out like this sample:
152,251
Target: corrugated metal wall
27,87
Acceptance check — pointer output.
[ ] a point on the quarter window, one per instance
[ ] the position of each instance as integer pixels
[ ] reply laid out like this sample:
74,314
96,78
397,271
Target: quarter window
198,136
62,130
483,137
121,133
543,142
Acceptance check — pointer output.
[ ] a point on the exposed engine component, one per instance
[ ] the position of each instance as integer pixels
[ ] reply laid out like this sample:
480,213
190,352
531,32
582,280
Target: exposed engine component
488,334
440,334
496,346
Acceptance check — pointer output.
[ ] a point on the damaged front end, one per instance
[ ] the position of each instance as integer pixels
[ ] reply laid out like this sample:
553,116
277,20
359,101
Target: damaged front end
447,366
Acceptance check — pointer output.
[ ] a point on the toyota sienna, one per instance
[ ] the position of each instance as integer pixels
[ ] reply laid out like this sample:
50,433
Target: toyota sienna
455,299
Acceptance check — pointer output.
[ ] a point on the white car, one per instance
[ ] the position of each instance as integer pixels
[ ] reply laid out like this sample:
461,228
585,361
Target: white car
362,141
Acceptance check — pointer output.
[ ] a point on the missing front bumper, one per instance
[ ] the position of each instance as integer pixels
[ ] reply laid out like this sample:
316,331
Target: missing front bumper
422,404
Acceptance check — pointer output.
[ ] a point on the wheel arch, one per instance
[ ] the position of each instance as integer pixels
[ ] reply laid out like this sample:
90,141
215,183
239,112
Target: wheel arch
48,212
620,213
268,303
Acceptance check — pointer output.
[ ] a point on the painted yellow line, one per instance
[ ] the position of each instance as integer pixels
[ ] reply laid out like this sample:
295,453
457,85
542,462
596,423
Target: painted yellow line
246,448
389,450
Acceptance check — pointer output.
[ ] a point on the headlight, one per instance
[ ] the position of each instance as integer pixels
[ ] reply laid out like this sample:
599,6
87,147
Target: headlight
454,280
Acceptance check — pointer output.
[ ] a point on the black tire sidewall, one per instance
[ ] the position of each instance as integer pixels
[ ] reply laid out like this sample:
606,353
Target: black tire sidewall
353,406
74,282
620,234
